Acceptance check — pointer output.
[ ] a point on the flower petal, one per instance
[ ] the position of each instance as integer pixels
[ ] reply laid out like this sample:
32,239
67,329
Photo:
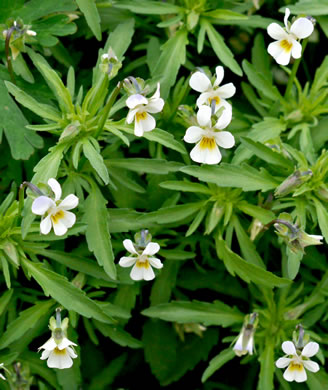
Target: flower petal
128,245
310,349
205,98
296,50
148,273
193,134
283,362
157,93
311,366
59,360
302,28
65,343
239,343
134,100
226,91
206,156
288,347
70,202
276,32
45,225
127,261
219,75
225,139
250,345
289,374
136,273
68,219
279,53
142,125
200,82
71,352
225,117
49,345
155,105
45,354
204,115
59,227
131,115
56,188
287,13
155,262
151,249
42,204
300,375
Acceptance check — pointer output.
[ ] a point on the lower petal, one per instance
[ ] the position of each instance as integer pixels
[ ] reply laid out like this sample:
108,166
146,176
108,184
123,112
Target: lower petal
148,273
60,360
70,202
45,225
148,123
136,273
300,375
206,156
289,374
59,228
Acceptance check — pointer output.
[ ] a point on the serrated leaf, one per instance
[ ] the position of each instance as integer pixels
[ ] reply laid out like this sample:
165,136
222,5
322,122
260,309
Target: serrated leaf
227,175
26,320
97,232
90,11
216,313
247,271
59,288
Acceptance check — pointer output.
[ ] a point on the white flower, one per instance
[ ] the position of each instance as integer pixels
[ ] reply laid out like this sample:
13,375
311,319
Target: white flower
296,362
142,263
58,355
140,107
244,344
55,210
287,43
31,33
207,138
2,376
213,92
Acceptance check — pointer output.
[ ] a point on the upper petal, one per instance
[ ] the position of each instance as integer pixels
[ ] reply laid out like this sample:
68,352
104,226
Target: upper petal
225,139
134,100
219,75
287,13
155,105
283,362
276,32
151,249
204,115
65,343
157,93
310,349
225,117
49,345
128,245
56,188
288,347
302,28
42,204
70,202
193,134
200,82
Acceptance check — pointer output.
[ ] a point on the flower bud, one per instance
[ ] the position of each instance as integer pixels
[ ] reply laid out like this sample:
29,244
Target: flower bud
245,340
110,64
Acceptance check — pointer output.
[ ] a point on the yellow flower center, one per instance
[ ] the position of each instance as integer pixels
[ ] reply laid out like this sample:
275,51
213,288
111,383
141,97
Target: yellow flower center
215,98
142,264
296,366
207,143
287,46
56,217
141,116
58,351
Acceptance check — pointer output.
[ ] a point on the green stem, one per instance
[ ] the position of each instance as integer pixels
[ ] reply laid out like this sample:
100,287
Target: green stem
294,70
106,110
8,56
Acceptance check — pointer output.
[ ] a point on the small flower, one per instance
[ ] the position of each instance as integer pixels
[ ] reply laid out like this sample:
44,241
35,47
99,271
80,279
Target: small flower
142,263
140,110
208,138
287,39
213,92
58,355
297,361
2,376
31,33
245,340
58,349
55,210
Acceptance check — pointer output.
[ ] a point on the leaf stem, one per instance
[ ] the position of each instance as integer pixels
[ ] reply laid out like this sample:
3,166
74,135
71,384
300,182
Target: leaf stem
8,56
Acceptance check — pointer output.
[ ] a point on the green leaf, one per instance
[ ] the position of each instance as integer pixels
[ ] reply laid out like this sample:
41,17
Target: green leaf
220,48
260,82
263,215
320,78
106,377
4,300
148,7
21,141
225,14
26,320
267,366
217,362
90,11
216,313
322,215
267,154
227,175
185,186
97,233
118,335
54,82
95,159
164,283
310,7
43,110
247,271
65,293
173,55
145,165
